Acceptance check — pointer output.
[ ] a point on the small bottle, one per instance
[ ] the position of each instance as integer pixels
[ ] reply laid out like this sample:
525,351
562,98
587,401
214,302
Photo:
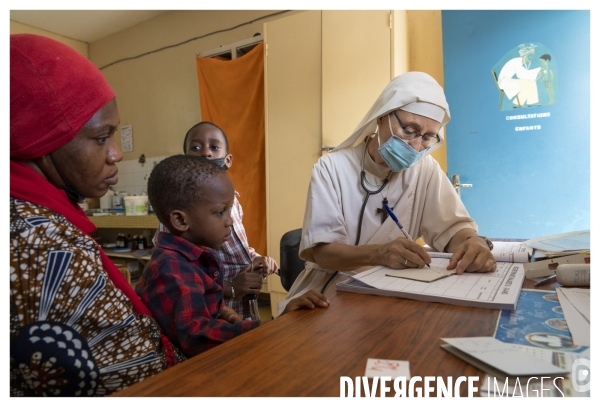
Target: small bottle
120,242
142,242
129,241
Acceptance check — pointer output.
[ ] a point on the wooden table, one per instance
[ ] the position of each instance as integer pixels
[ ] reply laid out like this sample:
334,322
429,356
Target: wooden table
304,353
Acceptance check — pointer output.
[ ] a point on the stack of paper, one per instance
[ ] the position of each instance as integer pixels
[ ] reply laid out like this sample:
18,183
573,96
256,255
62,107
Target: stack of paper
563,244
498,290
499,358
575,303
512,370
565,248
511,252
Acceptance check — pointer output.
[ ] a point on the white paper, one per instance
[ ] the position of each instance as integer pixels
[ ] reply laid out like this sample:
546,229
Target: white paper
579,240
503,356
127,138
422,274
511,252
579,327
387,367
498,288
580,298
561,359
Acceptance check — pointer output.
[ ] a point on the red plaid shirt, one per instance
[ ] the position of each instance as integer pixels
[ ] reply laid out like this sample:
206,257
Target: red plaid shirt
182,287
233,256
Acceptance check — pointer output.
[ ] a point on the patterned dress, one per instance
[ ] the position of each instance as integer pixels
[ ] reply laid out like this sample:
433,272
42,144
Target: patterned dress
71,331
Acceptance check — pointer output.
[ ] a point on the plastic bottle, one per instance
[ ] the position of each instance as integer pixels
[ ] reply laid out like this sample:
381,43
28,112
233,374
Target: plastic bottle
106,201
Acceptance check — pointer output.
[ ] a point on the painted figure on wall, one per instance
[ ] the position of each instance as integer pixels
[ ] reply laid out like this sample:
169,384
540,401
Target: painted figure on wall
518,80
517,77
547,75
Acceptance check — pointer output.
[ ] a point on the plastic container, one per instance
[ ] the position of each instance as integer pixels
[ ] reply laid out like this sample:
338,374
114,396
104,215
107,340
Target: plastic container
573,275
106,202
136,205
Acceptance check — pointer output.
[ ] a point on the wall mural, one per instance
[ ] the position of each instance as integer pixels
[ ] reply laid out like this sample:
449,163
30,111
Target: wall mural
526,76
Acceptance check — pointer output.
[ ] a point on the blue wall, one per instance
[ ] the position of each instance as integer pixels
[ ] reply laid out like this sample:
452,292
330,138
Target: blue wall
530,182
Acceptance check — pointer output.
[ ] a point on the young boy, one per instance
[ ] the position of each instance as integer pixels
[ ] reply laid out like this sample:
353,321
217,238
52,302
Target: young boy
206,139
182,282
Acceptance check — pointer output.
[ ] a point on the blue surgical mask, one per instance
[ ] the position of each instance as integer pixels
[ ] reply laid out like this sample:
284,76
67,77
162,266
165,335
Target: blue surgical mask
397,153
220,162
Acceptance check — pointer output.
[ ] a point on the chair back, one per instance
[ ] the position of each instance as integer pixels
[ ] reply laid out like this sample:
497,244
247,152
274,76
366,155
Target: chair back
290,265
496,80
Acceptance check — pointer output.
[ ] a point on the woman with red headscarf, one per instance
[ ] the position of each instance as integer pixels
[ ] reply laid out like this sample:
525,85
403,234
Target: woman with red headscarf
76,326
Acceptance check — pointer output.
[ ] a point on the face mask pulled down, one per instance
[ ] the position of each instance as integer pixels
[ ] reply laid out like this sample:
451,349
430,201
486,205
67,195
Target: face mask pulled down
220,162
397,153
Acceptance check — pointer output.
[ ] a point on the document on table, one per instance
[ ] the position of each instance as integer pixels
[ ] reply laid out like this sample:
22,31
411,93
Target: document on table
563,242
580,298
497,290
510,252
578,321
425,274
504,357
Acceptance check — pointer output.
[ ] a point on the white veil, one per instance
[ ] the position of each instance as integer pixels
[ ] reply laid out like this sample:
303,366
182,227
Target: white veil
409,88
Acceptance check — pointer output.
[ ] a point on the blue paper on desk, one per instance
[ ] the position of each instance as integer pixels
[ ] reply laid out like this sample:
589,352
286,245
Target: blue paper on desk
538,321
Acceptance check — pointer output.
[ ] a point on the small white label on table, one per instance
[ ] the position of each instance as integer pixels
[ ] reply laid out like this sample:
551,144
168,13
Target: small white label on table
387,367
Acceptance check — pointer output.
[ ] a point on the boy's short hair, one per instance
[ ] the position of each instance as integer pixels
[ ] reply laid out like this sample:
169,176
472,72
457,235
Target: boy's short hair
187,135
546,57
176,183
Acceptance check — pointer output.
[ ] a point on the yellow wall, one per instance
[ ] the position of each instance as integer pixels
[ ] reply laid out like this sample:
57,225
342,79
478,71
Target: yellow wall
426,55
158,93
20,28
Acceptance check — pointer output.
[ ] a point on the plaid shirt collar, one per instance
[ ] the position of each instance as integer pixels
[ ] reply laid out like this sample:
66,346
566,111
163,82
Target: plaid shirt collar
184,247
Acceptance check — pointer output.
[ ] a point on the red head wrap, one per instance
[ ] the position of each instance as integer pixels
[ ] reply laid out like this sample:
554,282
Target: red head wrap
54,91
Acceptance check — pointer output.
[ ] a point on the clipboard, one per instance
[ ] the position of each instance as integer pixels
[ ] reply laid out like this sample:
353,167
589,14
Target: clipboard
545,268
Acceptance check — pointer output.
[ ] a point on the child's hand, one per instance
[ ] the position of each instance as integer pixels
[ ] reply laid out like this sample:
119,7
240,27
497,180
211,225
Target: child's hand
307,300
229,315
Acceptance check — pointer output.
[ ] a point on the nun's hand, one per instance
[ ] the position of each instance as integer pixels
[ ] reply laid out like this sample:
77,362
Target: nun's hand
472,255
402,254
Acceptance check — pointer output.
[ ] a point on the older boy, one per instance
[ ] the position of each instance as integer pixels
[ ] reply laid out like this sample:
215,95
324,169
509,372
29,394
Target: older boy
181,284
207,140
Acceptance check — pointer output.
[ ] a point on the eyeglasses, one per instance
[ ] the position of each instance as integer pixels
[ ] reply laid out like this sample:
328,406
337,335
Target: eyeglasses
411,134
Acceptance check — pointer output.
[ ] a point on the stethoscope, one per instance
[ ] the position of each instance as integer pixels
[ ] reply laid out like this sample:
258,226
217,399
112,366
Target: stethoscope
369,192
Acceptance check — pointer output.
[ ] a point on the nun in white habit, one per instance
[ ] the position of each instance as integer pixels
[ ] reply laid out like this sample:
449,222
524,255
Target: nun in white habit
391,146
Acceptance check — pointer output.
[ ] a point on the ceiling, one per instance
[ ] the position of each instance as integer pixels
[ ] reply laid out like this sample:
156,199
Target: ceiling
83,25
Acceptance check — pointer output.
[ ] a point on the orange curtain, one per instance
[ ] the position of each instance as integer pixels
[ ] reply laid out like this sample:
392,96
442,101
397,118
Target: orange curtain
232,97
